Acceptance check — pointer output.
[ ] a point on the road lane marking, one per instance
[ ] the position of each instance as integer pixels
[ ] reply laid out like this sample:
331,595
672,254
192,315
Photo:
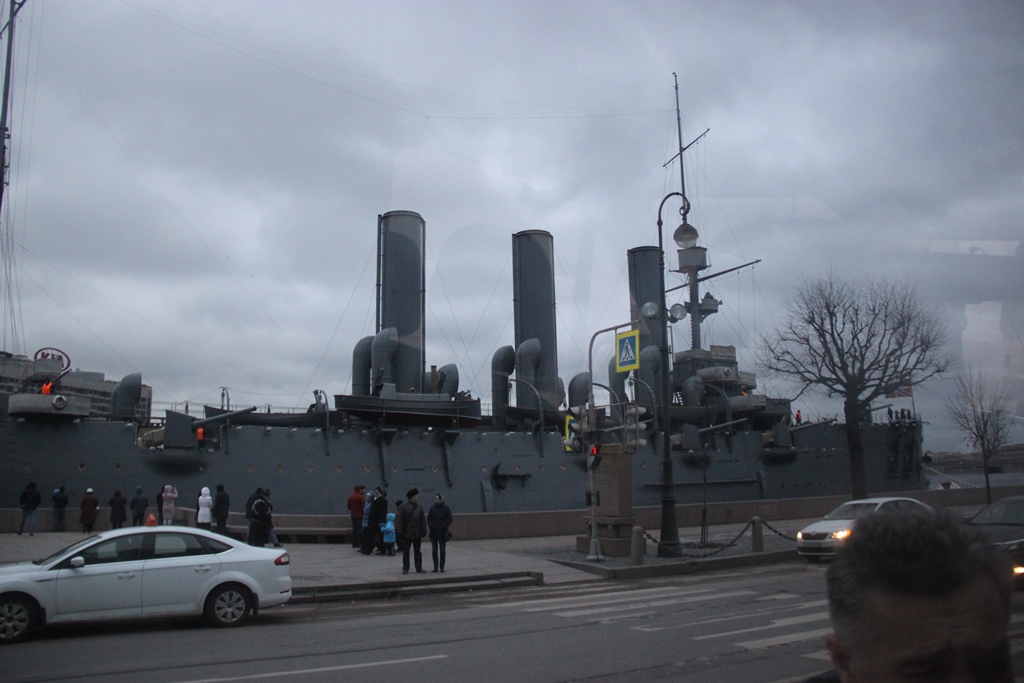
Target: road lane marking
318,670
776,623
784,640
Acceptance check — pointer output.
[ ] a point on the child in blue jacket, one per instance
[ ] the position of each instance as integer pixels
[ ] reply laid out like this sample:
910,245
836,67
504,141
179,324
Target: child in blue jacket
387,529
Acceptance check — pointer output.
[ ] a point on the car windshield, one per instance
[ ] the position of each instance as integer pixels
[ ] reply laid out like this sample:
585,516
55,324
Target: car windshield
852,511
74,546
1001,512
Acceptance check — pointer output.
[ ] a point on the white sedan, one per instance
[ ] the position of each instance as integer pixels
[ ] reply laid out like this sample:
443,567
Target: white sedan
143,572
823,538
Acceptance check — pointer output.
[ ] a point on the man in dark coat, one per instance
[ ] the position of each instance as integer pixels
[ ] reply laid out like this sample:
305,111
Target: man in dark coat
29,501
356,501
411,525
378,513
60,503
118,510
261,521
138,505
221,508
438,520
87,517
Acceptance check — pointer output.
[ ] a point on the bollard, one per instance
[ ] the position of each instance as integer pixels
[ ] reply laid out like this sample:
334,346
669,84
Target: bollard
757,535
637,546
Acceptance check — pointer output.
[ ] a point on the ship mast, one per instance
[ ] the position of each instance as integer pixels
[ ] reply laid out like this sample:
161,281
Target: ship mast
7,244
685,236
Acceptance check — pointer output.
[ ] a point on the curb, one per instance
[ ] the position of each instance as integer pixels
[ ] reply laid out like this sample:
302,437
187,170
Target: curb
652,571
395,589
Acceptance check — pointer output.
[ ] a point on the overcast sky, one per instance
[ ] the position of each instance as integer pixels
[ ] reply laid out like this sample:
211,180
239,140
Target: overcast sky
195,185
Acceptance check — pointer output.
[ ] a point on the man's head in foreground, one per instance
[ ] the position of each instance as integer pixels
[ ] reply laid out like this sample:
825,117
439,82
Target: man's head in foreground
919,596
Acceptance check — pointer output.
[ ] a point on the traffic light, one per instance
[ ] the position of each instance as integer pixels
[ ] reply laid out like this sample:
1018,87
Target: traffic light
576,423
634,428
594,456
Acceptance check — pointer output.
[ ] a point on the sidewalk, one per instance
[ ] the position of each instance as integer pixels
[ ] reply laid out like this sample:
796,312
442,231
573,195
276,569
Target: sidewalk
322,572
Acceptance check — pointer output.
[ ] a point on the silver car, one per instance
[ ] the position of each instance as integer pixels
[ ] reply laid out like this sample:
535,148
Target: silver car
823,538
143,572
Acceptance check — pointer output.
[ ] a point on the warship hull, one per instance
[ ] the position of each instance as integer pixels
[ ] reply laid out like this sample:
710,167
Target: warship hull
312,470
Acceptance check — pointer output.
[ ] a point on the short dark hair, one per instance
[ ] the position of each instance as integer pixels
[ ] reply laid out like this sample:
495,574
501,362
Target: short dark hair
924,553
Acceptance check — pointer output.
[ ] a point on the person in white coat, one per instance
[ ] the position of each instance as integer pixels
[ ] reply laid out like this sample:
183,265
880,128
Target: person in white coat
204,510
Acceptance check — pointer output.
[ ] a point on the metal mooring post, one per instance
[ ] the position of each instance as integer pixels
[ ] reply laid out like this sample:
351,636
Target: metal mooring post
757,535
637,546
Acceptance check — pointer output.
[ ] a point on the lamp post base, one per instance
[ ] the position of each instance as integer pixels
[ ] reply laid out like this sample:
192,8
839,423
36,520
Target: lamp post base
670,550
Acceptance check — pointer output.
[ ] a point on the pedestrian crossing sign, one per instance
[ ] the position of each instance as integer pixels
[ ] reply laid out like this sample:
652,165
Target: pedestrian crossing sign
627,356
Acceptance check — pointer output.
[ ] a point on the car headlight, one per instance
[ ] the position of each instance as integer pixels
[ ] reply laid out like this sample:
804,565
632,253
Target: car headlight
799,535
1017,570
840,535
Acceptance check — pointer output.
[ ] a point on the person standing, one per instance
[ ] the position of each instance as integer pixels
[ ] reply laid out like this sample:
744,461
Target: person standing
167,504
248,511
88,507
378,513
30,500
60,503
160,507
260,520
204,511
221,509
411,526
118,510
387,530
438,520
138,505
356,502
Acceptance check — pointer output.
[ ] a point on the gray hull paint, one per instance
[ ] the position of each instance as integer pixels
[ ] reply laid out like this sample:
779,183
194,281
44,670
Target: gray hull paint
477,470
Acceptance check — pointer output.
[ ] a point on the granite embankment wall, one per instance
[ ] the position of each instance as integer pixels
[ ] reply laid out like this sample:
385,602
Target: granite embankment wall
554,522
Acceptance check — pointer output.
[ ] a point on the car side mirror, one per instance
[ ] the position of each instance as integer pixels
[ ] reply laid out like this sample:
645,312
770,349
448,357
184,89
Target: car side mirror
77,562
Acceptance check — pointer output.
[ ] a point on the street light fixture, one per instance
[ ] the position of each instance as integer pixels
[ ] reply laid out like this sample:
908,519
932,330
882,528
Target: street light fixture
685,236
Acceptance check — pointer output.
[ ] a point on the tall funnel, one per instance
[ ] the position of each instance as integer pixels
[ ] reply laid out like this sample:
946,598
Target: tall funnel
401,293
533,283
644,286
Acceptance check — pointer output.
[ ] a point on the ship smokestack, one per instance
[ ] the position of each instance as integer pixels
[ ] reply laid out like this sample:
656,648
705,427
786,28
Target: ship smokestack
401,297
533,283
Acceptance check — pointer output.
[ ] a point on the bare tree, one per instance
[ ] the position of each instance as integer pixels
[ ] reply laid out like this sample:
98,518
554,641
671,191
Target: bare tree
978,408
858,340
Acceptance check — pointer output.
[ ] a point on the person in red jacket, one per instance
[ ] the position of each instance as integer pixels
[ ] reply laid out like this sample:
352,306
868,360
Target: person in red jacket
356,502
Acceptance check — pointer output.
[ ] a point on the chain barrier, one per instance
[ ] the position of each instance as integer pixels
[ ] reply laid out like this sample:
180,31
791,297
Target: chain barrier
777,532
730,544
699,556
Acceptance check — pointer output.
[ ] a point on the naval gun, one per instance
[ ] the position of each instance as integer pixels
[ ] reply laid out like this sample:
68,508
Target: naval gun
184,431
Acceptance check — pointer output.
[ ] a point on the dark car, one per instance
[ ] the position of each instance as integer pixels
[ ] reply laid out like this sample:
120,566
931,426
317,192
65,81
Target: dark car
1003,522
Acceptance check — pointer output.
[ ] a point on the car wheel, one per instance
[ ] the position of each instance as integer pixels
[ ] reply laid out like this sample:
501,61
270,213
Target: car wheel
229,605
18,616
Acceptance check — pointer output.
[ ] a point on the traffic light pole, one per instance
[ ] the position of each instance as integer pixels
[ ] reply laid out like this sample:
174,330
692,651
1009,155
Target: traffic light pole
588,443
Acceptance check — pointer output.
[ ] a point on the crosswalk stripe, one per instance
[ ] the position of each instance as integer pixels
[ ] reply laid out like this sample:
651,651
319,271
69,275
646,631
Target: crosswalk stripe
784,640
603,599
776,623
733,617
644,605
